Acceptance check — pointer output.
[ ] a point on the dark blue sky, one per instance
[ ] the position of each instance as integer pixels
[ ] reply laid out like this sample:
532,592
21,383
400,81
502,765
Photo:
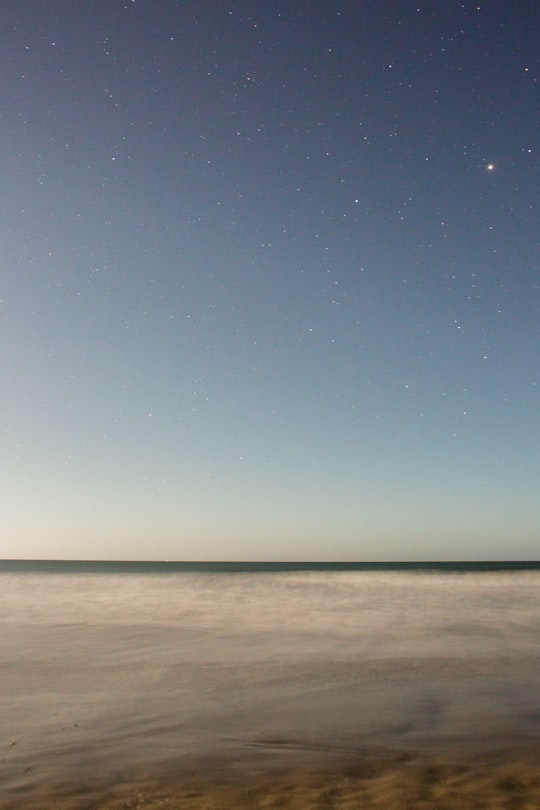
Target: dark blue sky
270,279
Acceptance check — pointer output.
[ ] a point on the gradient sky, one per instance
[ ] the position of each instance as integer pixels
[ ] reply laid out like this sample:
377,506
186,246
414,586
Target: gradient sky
270,279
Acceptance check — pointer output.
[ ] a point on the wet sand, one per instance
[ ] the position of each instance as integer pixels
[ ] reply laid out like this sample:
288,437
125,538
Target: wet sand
317,691
294,780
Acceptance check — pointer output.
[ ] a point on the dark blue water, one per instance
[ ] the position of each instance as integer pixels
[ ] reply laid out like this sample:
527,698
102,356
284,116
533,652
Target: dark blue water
228,567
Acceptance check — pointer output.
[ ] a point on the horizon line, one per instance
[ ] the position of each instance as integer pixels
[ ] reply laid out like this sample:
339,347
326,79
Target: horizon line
448,561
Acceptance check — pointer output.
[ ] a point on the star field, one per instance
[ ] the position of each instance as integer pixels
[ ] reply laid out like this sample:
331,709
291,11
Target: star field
270,280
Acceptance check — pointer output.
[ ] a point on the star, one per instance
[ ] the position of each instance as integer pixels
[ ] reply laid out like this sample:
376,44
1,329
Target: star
490,167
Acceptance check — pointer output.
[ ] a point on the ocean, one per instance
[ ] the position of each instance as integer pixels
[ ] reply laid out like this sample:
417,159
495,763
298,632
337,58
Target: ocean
108,667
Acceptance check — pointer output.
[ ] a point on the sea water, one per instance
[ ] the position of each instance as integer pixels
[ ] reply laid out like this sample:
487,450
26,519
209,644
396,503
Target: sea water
106,665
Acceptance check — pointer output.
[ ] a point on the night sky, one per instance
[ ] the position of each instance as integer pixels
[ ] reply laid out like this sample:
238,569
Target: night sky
270,279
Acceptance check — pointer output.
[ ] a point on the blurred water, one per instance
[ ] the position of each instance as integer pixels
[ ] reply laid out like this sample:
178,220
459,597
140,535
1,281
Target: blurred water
107,668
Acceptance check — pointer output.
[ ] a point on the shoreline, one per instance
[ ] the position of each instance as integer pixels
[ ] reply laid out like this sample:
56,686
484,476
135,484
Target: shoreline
285,774
322,691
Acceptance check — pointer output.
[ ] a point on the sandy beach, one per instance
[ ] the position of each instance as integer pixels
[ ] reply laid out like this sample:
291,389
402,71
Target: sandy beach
391,781
294,691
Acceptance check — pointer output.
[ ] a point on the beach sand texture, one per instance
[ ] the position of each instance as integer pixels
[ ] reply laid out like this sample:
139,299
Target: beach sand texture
380,782
313,691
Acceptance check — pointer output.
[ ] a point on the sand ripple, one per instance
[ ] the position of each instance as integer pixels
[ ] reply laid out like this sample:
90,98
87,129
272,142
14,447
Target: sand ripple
389,782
